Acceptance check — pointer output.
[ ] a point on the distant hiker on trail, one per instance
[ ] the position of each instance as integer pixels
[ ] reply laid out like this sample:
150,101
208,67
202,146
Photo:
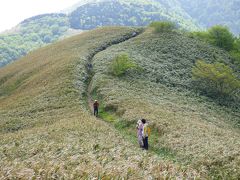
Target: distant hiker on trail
139,133
145,134
89,66
95,108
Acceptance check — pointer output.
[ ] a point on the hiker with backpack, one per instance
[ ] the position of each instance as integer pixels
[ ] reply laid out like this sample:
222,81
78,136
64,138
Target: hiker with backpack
95,108
145,134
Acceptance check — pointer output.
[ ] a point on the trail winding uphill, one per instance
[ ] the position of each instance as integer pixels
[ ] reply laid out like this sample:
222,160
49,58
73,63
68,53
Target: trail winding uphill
90,68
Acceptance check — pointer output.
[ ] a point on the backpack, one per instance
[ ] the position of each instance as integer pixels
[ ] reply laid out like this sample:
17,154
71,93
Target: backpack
148,131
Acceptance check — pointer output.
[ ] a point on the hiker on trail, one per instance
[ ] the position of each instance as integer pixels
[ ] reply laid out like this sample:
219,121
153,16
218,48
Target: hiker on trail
139,133
95,108
89,66
145,134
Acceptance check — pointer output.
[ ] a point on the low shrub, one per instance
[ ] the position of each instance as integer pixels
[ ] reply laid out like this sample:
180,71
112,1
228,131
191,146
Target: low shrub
121,64
163,26
217,78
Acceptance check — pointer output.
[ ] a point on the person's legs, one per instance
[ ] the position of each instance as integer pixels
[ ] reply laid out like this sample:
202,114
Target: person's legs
140,141
96,111
146,143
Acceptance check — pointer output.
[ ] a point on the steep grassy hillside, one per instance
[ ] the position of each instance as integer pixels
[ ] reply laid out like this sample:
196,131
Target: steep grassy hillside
46,131
190,128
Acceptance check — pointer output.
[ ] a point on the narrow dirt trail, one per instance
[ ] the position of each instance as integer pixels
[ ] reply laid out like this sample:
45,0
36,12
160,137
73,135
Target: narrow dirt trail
89,97
90,100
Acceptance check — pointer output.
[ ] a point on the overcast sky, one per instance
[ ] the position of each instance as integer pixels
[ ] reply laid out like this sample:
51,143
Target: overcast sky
14,11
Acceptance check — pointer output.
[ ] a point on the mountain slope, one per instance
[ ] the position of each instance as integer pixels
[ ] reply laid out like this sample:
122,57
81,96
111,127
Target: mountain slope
45,129
196,129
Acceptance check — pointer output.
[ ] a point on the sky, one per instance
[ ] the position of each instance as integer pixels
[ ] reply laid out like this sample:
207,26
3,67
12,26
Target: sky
13,12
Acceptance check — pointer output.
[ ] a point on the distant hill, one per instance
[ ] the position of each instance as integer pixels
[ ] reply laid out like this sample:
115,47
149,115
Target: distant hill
30,34
130,13
211,12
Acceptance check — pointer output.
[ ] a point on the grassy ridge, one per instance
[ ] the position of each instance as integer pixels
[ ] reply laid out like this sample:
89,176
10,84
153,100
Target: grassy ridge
199,131
46,132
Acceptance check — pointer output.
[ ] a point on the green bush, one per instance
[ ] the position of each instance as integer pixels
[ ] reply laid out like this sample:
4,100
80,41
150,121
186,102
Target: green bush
163,26
221,36
121,64
217,78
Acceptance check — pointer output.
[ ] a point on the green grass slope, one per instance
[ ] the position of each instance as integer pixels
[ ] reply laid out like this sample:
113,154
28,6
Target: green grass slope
195,129
46,131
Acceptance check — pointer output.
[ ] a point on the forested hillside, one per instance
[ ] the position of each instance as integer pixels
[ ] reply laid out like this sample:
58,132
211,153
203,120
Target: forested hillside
30,34
212,12
130,13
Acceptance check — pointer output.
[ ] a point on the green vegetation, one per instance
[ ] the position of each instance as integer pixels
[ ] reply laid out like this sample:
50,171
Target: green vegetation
160,27
235,52
129,13
31,34
216,78
221,36
121,64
